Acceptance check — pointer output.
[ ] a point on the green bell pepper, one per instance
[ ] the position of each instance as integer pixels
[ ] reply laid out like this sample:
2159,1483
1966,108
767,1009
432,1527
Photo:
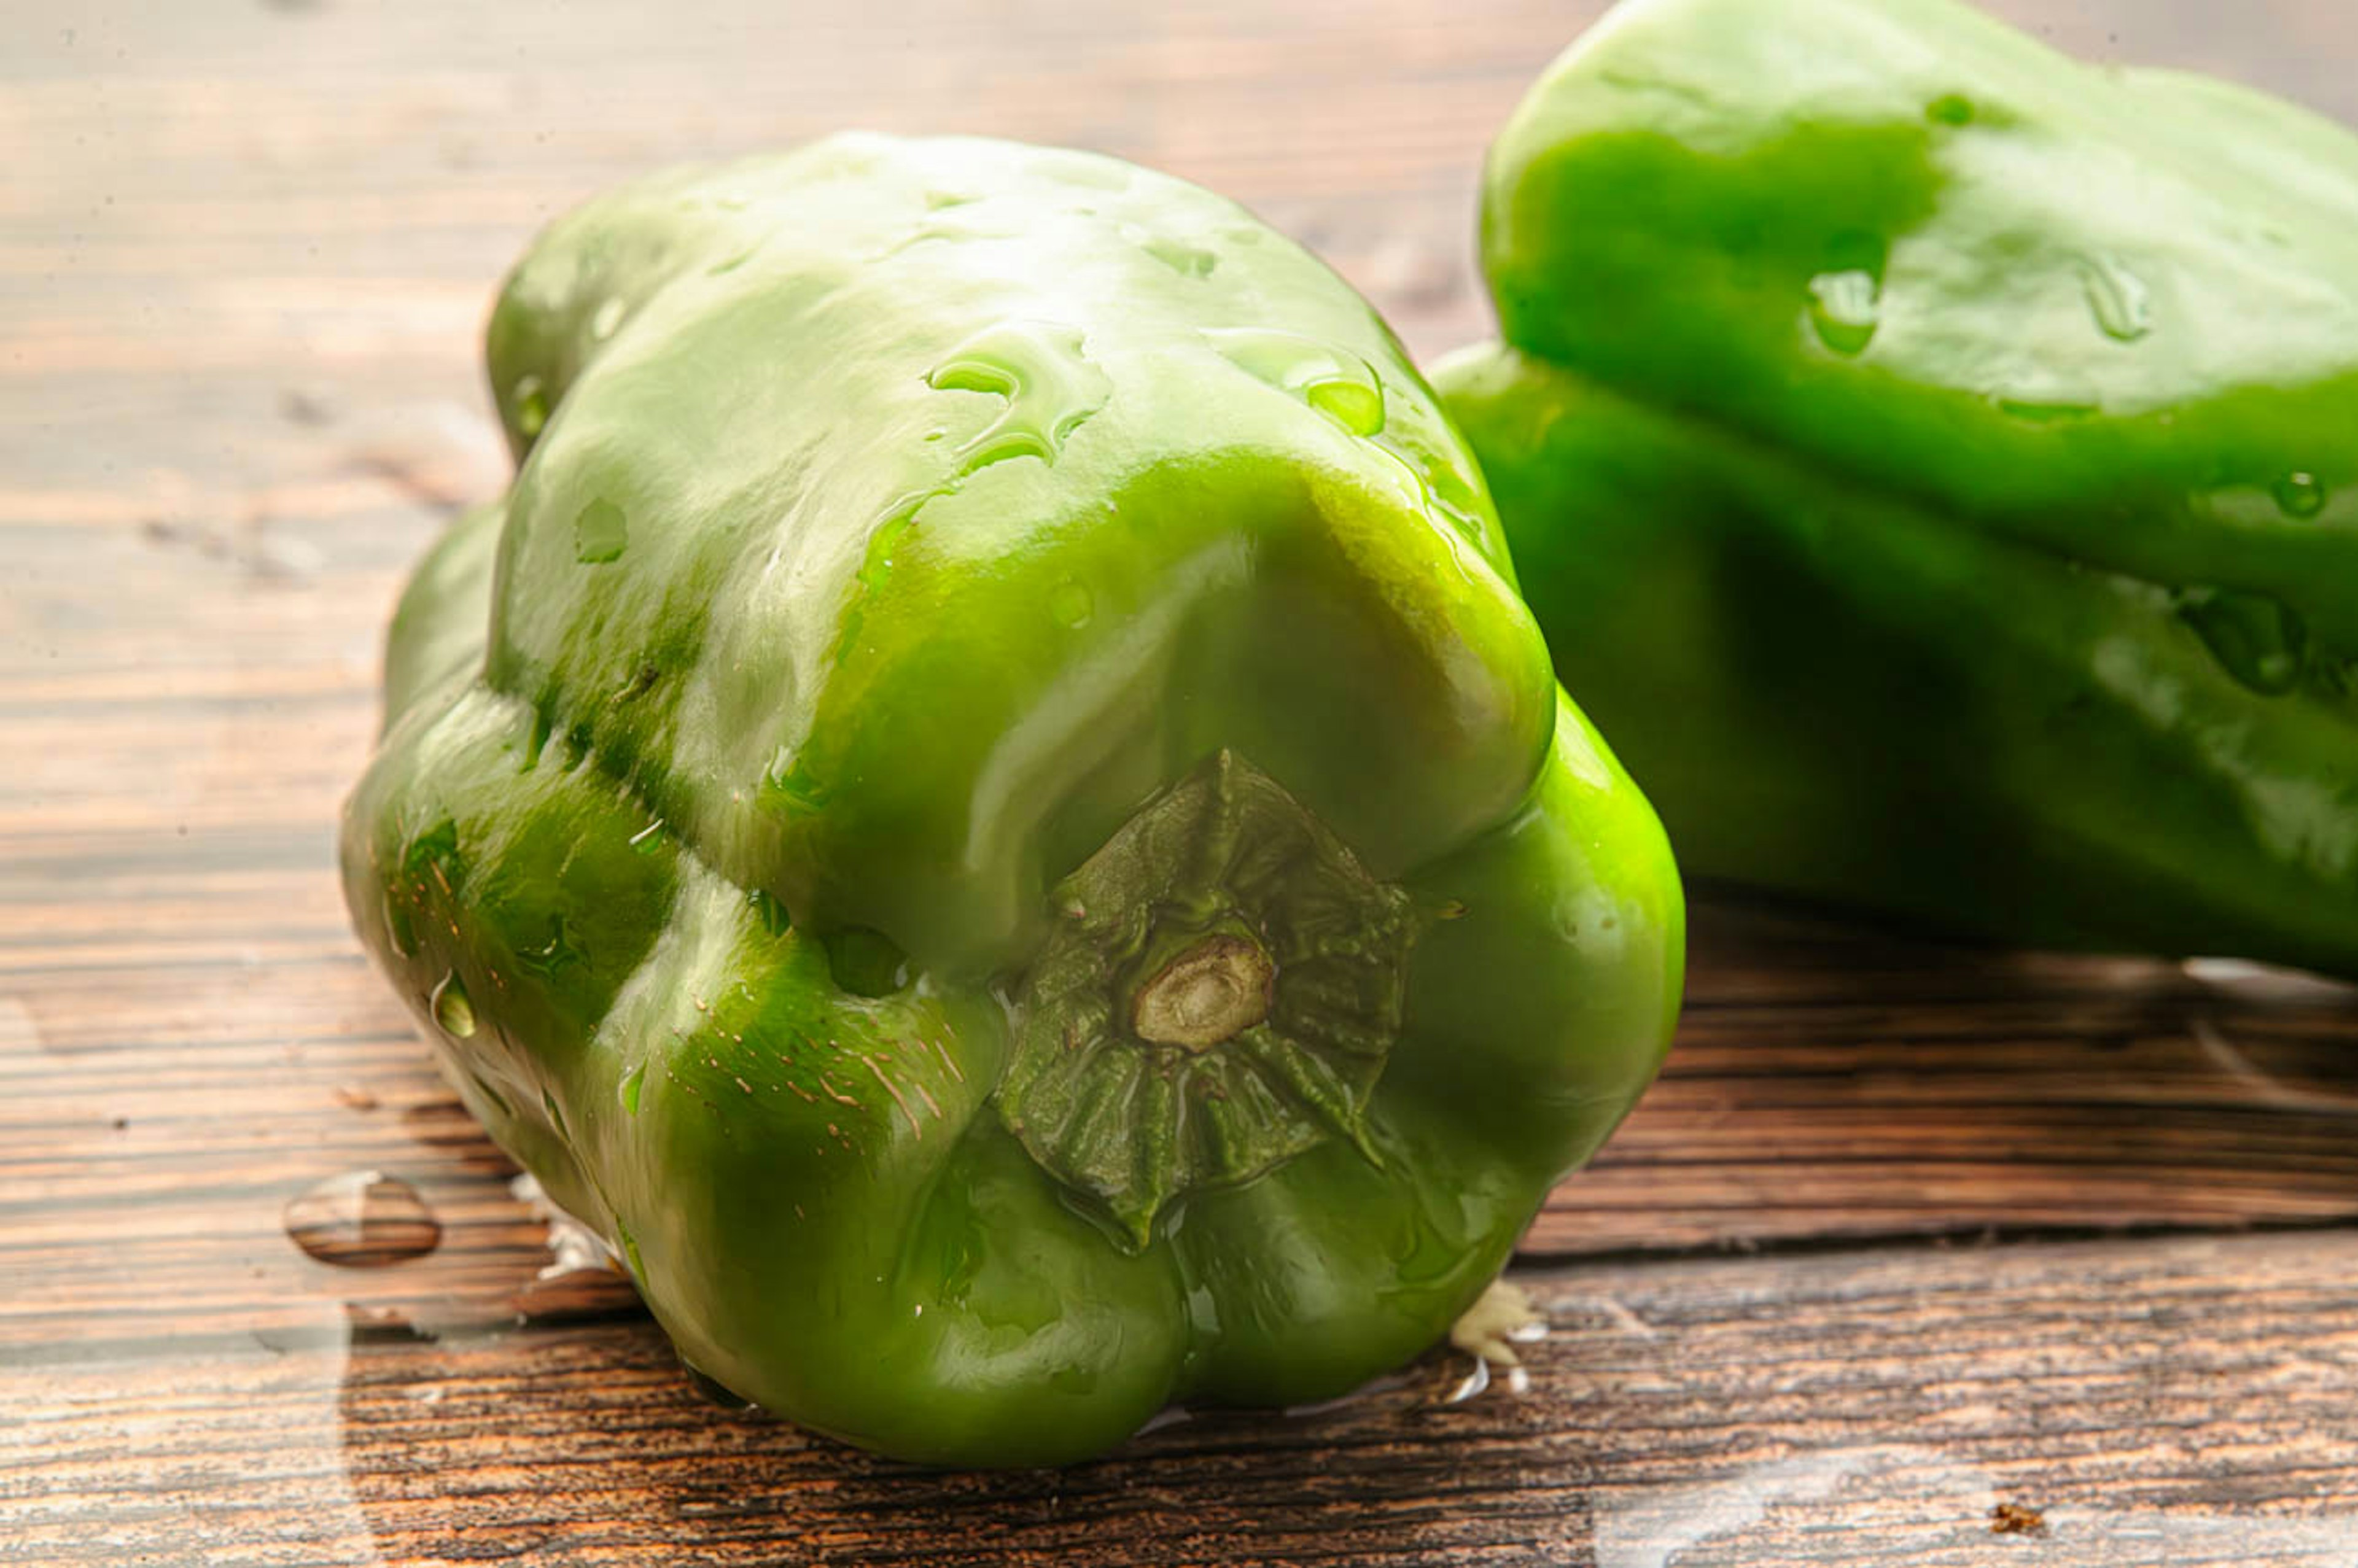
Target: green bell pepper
985,807
1935,464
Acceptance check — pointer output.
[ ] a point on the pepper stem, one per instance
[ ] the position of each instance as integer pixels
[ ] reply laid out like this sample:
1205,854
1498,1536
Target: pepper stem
1216,994
1213,991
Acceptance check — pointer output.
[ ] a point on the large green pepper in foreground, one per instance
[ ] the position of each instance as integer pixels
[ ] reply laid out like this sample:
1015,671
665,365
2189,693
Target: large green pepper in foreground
1935,465
986,808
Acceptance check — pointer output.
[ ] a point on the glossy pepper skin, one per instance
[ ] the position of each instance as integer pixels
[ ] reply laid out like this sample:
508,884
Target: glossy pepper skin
1935,464
986,808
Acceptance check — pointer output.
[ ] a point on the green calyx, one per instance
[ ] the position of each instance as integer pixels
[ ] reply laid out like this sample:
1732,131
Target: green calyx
1218,994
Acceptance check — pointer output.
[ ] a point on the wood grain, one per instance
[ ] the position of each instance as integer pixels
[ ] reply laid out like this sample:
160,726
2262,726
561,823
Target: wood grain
2184,1403
1833,1082
244,254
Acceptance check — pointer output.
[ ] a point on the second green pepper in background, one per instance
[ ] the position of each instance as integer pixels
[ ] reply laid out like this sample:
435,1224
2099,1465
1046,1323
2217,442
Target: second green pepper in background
1935,465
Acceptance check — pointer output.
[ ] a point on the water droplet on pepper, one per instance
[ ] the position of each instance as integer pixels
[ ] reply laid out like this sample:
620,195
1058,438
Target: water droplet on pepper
1070,605
1045,372
1186,260
771,911
531,406
2118,298
452,1009
1846,308
600,532
2300,495
1334,380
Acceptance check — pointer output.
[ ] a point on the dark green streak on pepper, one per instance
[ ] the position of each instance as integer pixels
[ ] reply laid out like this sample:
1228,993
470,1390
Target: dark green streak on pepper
1935,464
1029,655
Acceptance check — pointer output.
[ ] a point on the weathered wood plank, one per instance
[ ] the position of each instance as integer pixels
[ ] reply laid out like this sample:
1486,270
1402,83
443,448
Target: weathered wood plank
2183,1403
200,560
1831,1082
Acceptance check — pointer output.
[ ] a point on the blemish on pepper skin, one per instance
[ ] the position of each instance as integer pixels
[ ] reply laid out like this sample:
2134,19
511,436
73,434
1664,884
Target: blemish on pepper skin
891,1088
948,1061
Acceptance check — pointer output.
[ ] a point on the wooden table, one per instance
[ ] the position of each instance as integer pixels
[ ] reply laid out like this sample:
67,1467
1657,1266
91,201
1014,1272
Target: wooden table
1915,1256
